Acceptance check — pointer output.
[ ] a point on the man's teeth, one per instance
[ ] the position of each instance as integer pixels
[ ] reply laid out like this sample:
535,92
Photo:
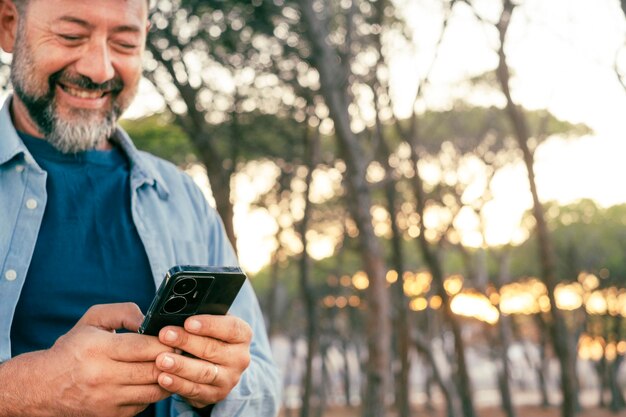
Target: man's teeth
83,93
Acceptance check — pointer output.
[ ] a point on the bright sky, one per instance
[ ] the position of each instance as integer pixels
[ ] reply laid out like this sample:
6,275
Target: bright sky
562,53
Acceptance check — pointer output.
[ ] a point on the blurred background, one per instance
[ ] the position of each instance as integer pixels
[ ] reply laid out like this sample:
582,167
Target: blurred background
425,193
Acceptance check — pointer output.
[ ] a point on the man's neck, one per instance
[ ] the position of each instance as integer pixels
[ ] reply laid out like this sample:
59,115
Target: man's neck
21,119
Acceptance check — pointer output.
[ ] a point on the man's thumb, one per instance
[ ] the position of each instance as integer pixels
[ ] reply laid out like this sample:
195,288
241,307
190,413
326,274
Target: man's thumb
113,316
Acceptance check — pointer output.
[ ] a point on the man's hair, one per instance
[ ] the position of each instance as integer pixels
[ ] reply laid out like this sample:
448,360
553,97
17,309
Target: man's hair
22,4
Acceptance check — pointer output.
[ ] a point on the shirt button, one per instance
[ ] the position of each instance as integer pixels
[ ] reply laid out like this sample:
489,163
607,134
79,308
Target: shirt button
10,275
19,168
31,203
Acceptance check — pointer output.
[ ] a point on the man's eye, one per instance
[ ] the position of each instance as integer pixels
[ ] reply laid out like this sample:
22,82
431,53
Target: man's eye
71,38
125,46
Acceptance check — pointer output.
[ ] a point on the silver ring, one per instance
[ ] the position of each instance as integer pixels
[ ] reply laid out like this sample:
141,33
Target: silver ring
217,371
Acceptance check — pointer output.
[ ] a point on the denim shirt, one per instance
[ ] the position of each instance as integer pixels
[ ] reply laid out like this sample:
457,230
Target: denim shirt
176,226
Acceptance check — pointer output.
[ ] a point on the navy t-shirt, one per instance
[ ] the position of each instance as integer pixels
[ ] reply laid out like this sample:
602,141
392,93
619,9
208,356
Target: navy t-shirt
88,250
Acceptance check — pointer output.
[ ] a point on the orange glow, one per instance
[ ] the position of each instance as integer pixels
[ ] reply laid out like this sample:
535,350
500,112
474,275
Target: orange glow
612,300
418,304
453,284
345,281
360,280
354,301
621,301
596,303
329,301
526,297
590,348
392,276
416,284
518,303
610,353
544,304
569,296
435,302
494,297
476,305
589,281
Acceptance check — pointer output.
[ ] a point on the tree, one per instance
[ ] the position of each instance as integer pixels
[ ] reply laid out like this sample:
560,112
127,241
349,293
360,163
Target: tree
205,64
560,335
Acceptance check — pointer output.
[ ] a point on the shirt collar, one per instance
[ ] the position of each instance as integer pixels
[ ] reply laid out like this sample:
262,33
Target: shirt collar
10,143
143,169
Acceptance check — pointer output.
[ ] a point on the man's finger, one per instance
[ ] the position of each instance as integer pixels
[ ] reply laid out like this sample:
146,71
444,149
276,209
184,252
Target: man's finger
142,395
199,395
113,316
202,347
196,370
133,347
229,329
136,373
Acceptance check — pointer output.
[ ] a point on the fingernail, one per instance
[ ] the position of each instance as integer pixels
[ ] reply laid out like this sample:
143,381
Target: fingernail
170,336
167,380
167,362
194,325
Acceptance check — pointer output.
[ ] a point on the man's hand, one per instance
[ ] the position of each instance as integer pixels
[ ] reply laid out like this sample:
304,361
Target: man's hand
90,371
221,349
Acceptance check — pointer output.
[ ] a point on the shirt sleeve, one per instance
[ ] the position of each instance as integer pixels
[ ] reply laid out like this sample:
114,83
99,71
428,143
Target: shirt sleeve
259,390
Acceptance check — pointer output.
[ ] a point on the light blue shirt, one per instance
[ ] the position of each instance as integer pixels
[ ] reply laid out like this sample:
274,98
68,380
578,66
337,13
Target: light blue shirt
176,226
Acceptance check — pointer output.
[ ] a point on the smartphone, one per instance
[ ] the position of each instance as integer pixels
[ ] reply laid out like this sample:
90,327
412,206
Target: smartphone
188,290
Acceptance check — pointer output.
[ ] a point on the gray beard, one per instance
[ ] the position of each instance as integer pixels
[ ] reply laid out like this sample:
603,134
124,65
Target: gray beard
80,135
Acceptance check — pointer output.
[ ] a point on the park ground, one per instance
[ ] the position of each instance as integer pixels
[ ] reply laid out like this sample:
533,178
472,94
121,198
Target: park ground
522,411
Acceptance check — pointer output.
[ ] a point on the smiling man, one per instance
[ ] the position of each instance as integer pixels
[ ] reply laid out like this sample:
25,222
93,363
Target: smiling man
88,227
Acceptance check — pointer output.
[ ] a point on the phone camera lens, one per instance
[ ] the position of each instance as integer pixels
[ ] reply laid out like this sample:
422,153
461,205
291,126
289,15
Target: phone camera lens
175,305
185,286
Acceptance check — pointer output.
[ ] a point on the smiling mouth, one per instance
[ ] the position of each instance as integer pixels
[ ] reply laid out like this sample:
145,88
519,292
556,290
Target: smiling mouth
81,93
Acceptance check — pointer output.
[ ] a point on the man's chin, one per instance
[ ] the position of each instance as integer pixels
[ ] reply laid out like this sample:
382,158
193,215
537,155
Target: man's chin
74,137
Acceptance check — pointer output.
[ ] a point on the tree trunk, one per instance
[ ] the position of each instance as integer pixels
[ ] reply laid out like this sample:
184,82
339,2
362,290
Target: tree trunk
436,269
558,328
325,379
333,88
504,374
306,290
400,300
347,385
617,403
272,297
219,179
542,367
423,346
505,337
219,169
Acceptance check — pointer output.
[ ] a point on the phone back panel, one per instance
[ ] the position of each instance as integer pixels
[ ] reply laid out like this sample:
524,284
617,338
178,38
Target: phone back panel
190,290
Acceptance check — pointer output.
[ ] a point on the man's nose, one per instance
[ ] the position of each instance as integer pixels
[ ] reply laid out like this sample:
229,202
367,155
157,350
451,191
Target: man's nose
96,63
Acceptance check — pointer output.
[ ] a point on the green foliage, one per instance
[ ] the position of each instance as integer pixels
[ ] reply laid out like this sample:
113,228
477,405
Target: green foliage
467,127
262,136
158,135
585,238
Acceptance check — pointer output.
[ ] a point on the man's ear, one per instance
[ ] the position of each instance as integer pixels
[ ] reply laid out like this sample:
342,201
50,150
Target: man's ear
8,25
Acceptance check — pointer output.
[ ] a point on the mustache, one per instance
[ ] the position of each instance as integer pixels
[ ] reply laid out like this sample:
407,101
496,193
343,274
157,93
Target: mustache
114,85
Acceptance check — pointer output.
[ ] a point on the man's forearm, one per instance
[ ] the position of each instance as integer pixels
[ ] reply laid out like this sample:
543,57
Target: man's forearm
21,390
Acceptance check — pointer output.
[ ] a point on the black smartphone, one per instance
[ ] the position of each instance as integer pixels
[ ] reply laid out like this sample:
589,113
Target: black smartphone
188,290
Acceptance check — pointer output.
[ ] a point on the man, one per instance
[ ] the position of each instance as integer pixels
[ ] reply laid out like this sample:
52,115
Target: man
87,219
